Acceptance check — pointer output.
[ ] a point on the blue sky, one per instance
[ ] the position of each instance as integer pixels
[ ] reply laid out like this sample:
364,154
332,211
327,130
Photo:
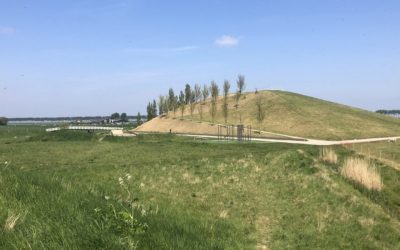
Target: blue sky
95,57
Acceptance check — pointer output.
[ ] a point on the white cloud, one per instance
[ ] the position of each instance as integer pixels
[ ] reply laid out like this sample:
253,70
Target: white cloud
6,30
161,50
227,41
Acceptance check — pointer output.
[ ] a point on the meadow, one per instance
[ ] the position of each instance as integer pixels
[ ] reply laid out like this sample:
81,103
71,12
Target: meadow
79,190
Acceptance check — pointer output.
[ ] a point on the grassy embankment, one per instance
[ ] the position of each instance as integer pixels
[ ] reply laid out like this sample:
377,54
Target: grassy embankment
386,152
299,115
62,190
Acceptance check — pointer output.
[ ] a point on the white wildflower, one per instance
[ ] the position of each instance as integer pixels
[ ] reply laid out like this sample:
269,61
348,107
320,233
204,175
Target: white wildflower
141,185
128,177
107,197
121,181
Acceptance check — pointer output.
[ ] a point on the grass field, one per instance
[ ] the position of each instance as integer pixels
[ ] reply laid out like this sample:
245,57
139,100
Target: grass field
304,116
76,190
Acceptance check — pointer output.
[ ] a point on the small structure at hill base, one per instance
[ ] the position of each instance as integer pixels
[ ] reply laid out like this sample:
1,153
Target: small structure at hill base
232,132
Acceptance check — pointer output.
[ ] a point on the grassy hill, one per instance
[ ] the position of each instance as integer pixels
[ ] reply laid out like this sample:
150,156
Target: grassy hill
304,116
71,190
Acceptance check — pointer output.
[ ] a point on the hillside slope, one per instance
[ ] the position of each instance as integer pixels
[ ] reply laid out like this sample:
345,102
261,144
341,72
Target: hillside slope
299,115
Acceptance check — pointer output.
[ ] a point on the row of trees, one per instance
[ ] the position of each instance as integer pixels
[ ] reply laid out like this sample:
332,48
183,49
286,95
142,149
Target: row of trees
124,117
116,116
194,97
151,110
388,112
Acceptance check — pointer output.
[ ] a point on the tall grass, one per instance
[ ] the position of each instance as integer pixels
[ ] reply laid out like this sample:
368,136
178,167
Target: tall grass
362,172
66,194
328,155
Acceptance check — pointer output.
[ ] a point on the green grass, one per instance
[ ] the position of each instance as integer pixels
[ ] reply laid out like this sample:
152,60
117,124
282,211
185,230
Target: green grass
299,115
187,194
387,156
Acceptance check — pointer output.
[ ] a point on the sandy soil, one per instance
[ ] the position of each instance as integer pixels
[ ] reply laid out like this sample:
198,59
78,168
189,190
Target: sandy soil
178,126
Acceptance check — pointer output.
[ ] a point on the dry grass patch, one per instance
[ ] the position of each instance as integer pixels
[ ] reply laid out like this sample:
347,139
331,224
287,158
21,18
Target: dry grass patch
362,172
12,221
328,155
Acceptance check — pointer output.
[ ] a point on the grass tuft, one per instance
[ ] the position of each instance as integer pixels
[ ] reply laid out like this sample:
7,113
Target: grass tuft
362,172
11,221
328,155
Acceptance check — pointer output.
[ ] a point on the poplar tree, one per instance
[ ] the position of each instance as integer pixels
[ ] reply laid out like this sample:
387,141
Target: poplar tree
240,88
227,86
214,97
188,93
138,119
182,103
161,104
171,99
192,102
204,94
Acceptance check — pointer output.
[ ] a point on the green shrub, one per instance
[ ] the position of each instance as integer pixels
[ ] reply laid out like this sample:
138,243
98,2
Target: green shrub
3,121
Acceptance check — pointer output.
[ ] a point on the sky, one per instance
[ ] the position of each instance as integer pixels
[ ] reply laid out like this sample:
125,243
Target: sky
96,57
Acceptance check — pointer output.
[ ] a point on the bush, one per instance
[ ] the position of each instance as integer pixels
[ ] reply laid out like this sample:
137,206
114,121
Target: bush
3,121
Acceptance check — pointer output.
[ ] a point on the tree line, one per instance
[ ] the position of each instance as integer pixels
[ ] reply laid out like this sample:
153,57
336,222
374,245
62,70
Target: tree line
389,112
124,117
194,98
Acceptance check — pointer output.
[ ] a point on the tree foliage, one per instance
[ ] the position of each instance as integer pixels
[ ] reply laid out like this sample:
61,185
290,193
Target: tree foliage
188,93
227,86
194,97
3,121
151,110
240,83
163,104
197,92
138,119
205,92
171,99
214,97
124,117
182,103
115,116
192,102
388,112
